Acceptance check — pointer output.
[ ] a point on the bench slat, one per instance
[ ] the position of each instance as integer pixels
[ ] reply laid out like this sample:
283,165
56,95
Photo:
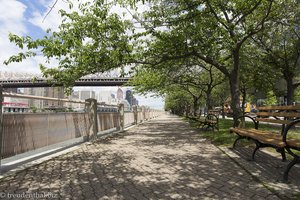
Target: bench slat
294,143
279,114
290,107
277,121
262,136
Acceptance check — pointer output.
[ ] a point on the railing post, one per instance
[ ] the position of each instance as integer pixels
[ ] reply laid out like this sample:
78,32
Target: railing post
91,107
143,114
1,124
121,112
135,114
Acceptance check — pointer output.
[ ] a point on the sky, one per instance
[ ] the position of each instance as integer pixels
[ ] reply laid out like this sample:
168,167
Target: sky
27,17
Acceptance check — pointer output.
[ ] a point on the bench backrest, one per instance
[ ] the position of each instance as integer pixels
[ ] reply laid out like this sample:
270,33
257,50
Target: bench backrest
280,114
214,112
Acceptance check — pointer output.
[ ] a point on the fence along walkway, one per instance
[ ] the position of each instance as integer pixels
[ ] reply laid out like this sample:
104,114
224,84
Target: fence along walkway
24,132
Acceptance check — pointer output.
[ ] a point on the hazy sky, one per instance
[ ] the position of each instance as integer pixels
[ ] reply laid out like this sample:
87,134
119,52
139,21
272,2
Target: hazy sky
26,17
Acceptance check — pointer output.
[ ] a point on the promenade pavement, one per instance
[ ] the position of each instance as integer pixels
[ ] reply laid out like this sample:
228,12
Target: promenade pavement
160,159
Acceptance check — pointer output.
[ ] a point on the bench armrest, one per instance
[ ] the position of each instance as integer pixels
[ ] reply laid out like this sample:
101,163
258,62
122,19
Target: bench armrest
287,128
252,118
211,116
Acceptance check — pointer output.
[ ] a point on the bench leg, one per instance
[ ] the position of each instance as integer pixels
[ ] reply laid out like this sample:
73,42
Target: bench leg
290,165
282,152
236,140
258,145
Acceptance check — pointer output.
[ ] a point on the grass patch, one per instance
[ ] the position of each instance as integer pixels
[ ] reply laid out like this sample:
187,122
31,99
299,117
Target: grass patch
296,196
222,137
226,139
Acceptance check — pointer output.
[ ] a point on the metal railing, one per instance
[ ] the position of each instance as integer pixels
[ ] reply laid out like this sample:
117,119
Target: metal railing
22,132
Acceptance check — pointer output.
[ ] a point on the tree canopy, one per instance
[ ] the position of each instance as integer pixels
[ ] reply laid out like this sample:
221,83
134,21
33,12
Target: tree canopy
239,39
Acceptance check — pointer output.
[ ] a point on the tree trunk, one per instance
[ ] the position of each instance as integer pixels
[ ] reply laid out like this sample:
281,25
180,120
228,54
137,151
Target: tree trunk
243,99
223,111
235,86
208,99
195,106
187,110
290,90
235,96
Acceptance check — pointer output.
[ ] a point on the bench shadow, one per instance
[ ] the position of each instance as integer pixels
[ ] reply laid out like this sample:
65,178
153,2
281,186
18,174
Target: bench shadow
269,168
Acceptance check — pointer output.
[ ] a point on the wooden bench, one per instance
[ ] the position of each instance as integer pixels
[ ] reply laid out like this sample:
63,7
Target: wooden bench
211,120
285,117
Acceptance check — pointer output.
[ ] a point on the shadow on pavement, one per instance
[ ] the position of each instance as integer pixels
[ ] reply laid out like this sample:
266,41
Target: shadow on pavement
160,159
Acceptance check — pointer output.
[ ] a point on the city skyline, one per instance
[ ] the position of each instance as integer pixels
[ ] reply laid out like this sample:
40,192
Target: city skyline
148,100
28,18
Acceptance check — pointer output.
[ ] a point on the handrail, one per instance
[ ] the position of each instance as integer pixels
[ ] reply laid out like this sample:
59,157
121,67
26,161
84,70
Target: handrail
7,94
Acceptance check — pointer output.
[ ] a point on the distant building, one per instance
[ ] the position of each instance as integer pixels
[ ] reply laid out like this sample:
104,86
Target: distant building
126,105
86,94
52,92
105,96
129,97
120,94
35,92
11,104
82,95
11,90
135,102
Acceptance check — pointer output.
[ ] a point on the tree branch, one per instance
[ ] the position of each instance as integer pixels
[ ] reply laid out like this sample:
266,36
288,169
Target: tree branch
248,13
261,25
231,33
296,85
51,8
208,60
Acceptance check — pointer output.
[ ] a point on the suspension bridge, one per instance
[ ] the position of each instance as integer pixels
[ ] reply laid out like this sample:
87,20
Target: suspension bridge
24,80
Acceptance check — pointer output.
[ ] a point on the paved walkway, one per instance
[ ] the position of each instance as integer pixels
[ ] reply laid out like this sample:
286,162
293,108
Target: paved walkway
160,159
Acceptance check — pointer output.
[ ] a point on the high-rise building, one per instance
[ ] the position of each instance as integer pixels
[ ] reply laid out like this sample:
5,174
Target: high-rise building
10,90
86,94
120,94
135,102
129,97
104,96
35,92
52,92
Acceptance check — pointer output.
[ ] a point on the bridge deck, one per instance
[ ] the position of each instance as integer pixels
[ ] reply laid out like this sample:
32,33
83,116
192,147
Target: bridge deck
25,83
160,159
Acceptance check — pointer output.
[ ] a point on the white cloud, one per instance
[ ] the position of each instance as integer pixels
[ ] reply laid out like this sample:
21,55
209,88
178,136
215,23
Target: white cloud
12,21
12,17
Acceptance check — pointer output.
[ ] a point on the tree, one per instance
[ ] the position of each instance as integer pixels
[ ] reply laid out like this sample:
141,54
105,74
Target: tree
220,95
177,101
162,81
192,75
213,31
255,75
271,98
280,43
91,40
